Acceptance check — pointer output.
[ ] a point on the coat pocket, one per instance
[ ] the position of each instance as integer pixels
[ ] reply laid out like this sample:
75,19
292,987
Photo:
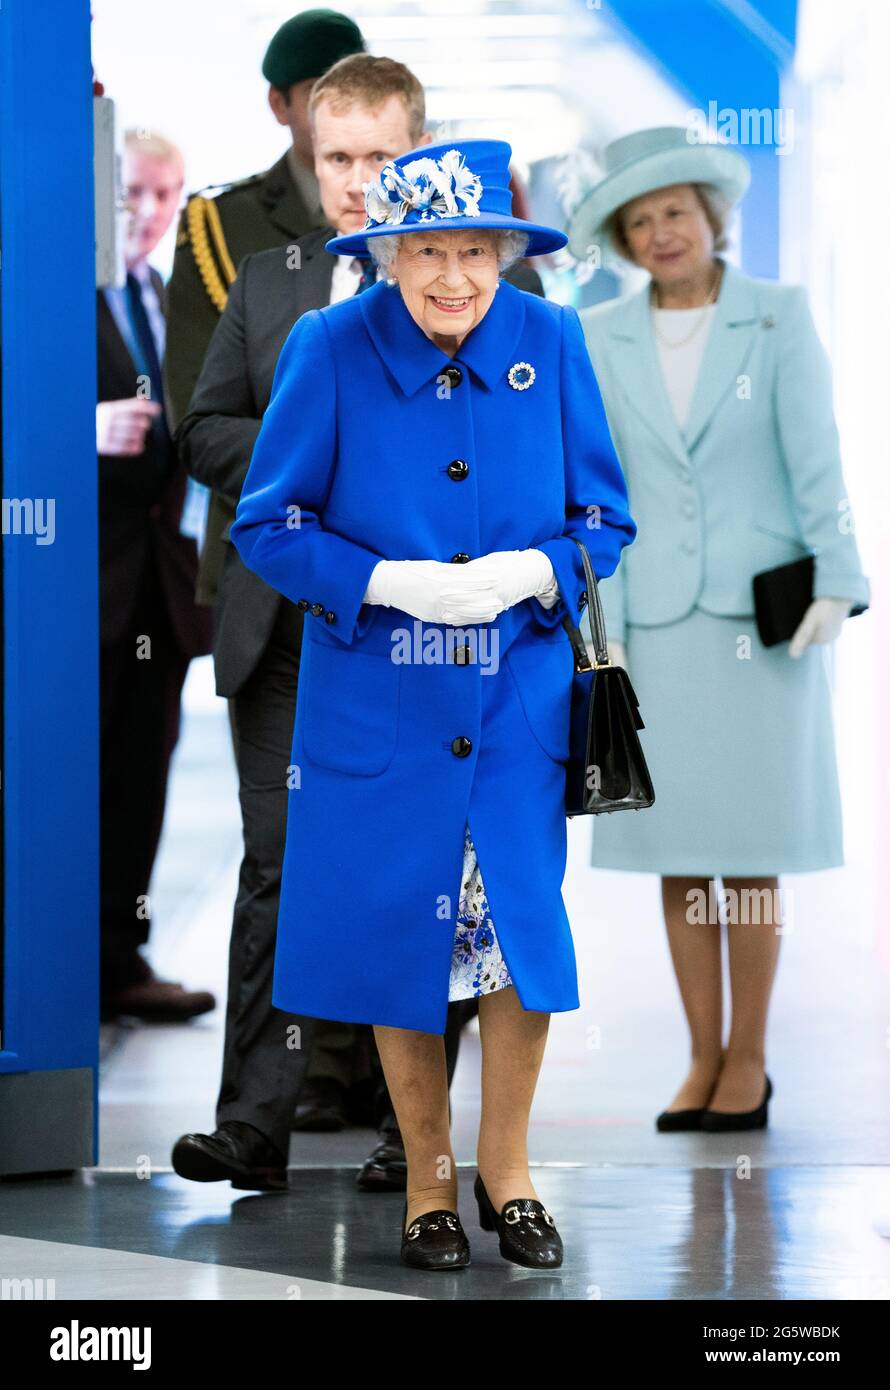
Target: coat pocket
542,672
350,709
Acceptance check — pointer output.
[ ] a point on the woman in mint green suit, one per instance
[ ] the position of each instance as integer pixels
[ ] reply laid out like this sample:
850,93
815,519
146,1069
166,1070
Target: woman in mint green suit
718,396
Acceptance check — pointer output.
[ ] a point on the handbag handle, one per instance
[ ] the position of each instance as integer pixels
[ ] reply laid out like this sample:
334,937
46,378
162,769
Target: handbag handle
595,618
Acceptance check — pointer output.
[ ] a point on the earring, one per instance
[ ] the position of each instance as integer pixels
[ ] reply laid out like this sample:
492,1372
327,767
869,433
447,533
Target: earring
391,280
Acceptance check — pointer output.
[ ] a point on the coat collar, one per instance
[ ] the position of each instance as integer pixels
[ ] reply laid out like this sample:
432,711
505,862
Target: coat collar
413,358
736,320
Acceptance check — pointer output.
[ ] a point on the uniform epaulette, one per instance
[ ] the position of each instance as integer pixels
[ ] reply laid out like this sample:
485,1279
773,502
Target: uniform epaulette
202,228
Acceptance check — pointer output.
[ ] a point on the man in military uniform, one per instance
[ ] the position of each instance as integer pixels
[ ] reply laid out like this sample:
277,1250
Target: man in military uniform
255,214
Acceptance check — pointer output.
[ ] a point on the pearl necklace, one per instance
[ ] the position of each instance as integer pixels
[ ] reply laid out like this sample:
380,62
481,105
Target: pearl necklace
681,342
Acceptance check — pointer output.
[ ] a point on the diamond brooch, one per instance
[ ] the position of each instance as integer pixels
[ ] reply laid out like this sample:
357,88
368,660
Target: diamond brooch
521,376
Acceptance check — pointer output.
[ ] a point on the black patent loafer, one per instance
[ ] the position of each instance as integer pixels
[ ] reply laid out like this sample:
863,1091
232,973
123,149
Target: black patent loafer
435,1240
527,1231
719,1121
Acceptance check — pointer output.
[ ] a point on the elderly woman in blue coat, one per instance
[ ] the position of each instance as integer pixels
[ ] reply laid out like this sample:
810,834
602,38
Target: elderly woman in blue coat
430,449
718,394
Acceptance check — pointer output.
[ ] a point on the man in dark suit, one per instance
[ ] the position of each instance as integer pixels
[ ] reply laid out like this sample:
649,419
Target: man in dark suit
150,626
216,233
365,110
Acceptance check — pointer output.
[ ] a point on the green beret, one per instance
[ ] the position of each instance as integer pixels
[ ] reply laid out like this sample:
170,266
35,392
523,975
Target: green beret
309,44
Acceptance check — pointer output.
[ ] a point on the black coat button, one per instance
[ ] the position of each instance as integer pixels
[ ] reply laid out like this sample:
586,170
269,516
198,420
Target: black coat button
461,558
329,617
582,599
317,609
463,655
303,603
458,469
454,375
460,747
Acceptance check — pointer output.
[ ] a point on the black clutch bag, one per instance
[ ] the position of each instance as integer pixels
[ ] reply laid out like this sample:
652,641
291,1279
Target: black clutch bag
782,596
606,770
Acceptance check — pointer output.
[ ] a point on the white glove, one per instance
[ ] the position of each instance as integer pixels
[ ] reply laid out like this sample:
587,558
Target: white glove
549,596
437,591
430,589
507,577
822,622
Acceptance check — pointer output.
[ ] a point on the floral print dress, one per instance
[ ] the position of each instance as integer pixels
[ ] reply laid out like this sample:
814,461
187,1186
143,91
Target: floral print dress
477,966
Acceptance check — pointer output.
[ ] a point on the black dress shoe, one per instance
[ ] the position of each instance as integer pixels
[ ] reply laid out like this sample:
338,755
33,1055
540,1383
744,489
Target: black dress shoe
236,1151
528,1234
670,1120
385,1168
435,1240
321,1108
717,1121
155,1001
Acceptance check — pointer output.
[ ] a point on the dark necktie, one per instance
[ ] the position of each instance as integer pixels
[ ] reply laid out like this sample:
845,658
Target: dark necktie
369,273
148,363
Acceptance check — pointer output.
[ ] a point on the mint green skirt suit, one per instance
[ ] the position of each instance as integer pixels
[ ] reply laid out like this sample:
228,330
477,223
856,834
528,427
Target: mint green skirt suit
739,737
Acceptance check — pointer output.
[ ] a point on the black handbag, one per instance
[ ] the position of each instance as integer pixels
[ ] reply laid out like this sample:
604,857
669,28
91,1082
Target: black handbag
606,770
782,596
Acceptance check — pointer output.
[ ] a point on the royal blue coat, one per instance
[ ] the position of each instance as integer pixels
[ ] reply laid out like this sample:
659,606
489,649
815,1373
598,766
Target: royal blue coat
356,461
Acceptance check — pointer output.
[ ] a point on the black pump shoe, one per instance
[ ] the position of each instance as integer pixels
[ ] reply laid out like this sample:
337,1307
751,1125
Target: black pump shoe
716,1121
435,1240
528,1234
669,1121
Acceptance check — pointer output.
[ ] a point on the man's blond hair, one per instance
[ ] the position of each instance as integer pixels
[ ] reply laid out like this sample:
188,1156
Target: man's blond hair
363,80
150,142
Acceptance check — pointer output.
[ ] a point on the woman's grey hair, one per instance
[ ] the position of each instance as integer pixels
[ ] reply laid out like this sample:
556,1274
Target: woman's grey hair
511,246
717,209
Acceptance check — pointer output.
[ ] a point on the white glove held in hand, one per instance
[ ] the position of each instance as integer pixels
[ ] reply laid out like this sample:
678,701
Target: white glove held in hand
507,577
437,591
822,622
414,586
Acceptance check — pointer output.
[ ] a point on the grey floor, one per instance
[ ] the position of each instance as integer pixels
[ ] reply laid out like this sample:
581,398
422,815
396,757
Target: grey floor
801,1210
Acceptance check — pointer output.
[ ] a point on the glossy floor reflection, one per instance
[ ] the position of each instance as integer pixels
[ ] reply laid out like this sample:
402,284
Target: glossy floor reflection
630,1233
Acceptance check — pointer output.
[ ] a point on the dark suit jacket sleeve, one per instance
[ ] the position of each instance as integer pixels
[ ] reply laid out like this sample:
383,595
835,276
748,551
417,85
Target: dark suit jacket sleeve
123,478
220,428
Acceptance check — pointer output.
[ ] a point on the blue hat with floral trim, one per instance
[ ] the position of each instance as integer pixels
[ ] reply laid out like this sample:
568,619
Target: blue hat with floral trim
462,184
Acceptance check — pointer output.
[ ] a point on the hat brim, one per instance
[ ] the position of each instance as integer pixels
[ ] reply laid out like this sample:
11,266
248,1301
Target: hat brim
541,239
725,168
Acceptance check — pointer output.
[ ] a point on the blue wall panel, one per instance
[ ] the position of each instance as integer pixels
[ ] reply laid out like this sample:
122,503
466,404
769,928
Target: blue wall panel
51,694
